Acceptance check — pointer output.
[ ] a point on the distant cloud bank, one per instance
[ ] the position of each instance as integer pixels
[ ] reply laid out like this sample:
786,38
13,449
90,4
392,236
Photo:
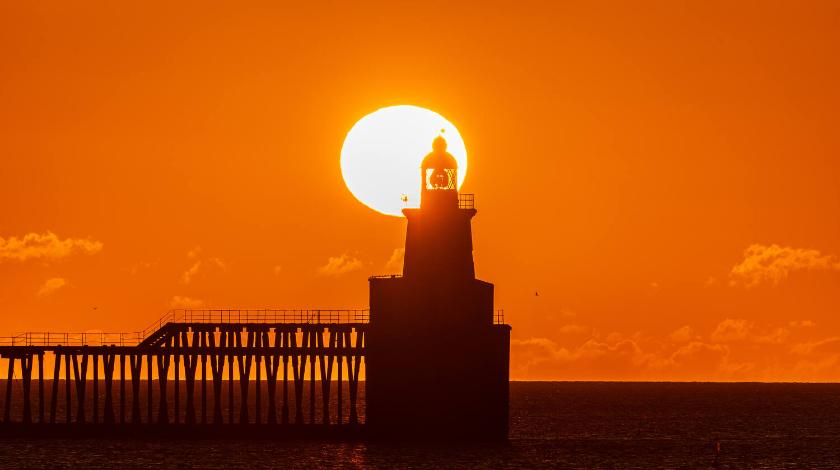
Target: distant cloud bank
773,264
734,349
45,246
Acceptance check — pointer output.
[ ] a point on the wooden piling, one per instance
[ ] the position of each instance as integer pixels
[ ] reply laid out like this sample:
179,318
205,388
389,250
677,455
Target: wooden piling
26,363
136,366
108,369
95,390
163,372
7,407
80,374
54,395
67,398
41,388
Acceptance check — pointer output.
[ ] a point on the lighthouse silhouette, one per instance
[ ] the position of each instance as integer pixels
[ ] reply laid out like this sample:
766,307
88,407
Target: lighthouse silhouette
437,362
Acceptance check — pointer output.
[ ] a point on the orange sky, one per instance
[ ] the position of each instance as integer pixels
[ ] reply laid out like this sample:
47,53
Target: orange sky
624,158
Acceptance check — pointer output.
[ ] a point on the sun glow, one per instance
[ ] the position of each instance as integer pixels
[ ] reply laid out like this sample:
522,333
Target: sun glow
381,155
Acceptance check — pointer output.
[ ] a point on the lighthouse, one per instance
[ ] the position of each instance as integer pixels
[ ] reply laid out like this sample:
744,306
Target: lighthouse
438,361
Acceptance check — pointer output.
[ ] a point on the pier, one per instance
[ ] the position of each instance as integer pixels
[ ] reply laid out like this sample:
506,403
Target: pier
193,367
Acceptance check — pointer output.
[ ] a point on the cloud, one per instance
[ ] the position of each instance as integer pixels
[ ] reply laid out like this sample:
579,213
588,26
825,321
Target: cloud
823,369
200,265
536,353
186,278
142,266
277,269
682,335
338,265
52,285
572,329
185,302
819,360
773,264
733,330
46,246
566,312
730,330
395,262
829,345
543,358
802,323
697,355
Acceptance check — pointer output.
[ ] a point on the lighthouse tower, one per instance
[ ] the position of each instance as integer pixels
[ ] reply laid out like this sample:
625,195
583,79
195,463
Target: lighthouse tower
437,363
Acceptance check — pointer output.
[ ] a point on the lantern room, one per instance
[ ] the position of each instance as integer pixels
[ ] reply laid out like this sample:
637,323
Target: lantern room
439,175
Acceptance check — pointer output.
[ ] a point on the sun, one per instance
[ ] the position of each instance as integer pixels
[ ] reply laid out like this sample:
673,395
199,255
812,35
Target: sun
381,155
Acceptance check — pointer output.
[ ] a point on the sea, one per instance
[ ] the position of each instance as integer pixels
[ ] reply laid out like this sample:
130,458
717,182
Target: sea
611,425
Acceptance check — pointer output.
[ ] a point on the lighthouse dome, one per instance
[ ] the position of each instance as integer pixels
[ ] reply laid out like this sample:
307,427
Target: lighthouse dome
439,157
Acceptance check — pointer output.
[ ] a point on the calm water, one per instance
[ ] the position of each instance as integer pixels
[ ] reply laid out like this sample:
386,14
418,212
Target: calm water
553,425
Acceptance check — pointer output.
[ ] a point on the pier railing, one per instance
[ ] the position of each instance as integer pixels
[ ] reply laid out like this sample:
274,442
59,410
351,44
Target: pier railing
38,338
308,316
96,338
